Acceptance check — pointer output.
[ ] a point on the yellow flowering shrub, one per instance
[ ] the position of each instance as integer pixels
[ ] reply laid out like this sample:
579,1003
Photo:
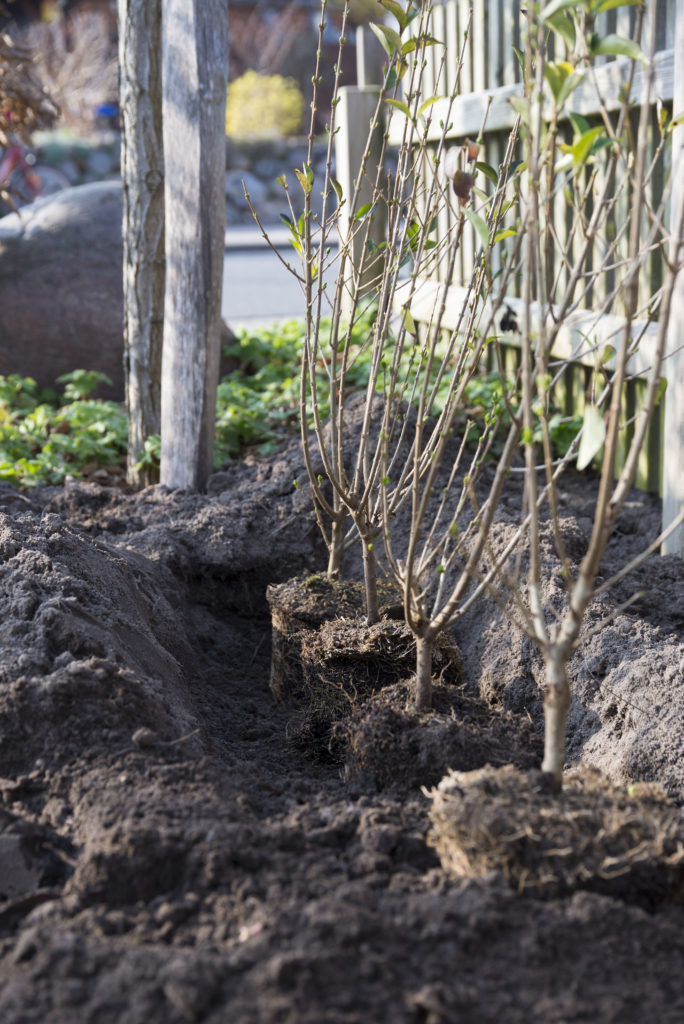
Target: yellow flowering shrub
263,107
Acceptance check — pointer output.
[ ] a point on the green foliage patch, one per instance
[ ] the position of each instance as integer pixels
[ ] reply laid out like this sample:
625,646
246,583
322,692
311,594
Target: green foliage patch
258,404
46,436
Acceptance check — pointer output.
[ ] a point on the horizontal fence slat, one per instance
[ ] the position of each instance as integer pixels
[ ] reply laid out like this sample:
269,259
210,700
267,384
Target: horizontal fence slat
582,337
467,111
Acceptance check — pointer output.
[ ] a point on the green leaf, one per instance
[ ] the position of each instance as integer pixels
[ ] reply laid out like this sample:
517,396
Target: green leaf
428,103
411,14
479,224
608,5
555,76
295,239
521,57
409,323
569,86
488,170
617,46
521,106
579,124
564,26
506,233
400,106
562,80
390,40
555,6
593,436
397,73
304,180
338,189
582,147
419,41
363,211
397,10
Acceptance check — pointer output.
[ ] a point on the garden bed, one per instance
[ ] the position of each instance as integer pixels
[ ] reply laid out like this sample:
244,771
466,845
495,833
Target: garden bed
172,854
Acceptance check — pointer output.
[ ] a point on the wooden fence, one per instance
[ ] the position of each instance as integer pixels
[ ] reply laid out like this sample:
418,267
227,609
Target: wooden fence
489,78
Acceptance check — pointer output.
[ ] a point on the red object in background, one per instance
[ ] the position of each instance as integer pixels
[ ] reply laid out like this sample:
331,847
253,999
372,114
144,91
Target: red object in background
22,180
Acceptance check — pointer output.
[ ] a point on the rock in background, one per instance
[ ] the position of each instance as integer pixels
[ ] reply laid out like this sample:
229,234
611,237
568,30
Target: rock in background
61,289
258,164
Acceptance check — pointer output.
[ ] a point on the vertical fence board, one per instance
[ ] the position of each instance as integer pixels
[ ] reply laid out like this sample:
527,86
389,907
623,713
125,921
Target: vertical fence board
673,466
464,26
494,27
453,44
436,54
479,46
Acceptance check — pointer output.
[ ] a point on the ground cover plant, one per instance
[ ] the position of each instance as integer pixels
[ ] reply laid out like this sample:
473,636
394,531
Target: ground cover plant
48,435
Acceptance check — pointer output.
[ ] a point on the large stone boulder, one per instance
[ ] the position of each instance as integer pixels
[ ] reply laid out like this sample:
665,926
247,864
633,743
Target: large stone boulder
61,290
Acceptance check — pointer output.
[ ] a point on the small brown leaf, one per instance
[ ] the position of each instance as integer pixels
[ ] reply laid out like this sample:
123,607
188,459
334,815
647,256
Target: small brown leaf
472,150
463,184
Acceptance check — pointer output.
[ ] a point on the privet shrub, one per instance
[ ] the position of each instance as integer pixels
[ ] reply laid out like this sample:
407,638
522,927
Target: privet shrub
411,486
263,107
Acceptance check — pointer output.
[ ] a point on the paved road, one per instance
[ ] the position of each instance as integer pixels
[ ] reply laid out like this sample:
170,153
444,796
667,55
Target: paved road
257,288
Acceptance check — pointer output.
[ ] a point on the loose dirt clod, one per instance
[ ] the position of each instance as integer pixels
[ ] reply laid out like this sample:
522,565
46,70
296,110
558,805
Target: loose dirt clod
325,658
386,744
622,841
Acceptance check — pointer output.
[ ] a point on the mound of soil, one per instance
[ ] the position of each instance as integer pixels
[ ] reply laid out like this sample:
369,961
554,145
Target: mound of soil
168,854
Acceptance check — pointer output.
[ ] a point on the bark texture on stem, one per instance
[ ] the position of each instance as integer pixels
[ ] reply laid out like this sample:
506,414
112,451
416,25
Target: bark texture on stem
370,579
142,171
194,79
336,545
423,687
556,707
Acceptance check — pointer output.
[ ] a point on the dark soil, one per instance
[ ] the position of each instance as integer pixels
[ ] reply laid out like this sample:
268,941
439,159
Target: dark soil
170,853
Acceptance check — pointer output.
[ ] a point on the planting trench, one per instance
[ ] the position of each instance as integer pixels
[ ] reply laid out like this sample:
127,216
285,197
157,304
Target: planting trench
172,852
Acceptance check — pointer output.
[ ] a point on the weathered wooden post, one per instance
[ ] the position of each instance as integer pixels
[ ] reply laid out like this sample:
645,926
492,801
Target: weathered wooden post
142,172
194,81
673,460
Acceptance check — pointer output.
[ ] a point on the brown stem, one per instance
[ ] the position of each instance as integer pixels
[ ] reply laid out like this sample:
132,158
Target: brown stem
370,579
556,707
423,684
336,544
